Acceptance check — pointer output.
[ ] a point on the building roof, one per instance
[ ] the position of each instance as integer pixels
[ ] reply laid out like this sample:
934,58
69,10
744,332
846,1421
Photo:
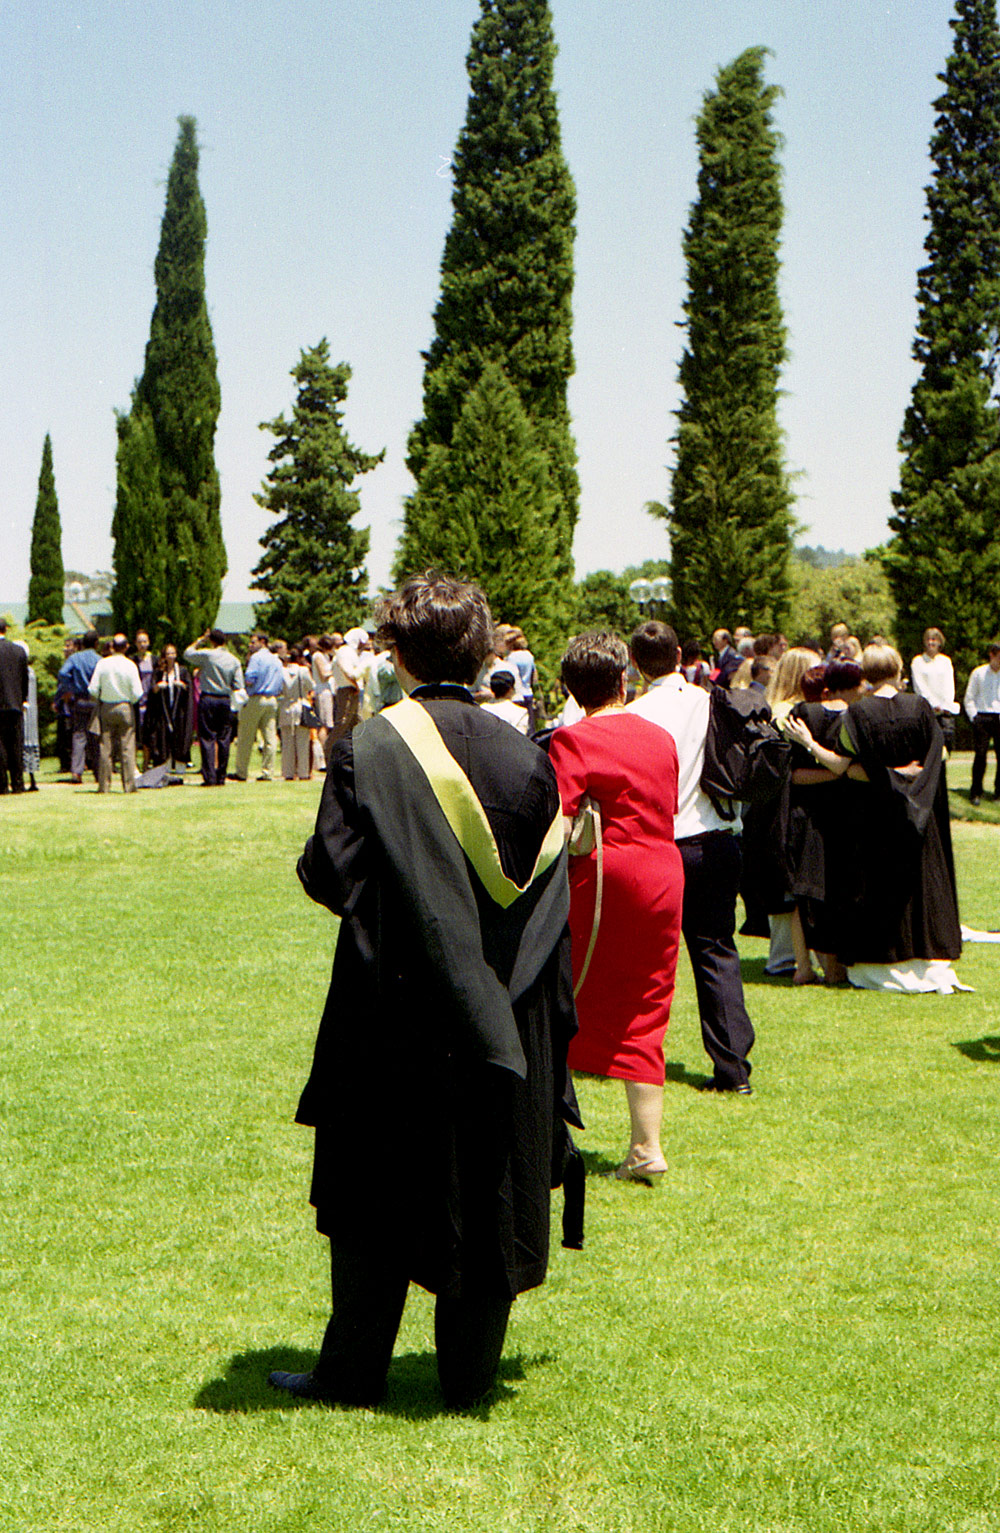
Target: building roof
234,617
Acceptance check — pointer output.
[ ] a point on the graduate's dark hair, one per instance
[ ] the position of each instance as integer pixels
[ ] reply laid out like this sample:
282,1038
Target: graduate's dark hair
592,667
442,627
843,676
654,649
217,637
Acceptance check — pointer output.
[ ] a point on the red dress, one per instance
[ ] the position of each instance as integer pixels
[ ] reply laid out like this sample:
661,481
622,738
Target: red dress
629,766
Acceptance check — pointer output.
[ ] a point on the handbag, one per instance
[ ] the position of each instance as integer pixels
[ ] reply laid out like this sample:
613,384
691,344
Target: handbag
309,718
586,837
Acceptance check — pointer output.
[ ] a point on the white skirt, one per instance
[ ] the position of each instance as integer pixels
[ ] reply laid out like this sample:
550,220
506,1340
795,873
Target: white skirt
918,976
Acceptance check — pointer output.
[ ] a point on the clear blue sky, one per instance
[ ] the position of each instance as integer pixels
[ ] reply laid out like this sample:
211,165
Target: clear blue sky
326,129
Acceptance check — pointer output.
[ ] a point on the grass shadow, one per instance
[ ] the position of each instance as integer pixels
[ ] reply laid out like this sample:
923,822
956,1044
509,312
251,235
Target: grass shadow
753,972
983,1050
413,1392
682,1076
597,1163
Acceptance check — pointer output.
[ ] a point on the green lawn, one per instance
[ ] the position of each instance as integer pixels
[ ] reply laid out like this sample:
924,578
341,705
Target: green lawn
798,1331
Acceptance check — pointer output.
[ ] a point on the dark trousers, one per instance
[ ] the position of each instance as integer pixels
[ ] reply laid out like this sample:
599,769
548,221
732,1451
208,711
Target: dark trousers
708,922
215,735
86,744
12,749
985,732
369,1292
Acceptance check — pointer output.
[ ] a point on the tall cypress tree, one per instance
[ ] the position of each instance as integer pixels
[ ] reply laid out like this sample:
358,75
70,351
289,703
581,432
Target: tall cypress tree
507,269
139,528
45,588
730,504
313,570
943,561
179,390
486,503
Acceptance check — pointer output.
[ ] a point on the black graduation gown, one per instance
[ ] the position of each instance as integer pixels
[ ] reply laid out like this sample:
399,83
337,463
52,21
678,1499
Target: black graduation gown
820,836
167,729
905,904
448,1134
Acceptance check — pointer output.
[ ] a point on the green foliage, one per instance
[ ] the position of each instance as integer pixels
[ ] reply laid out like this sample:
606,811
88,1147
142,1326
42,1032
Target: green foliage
507,270
313,566
45,588
855,592
944,558
730,504
485,507
603,600
179,391
139,528
45,643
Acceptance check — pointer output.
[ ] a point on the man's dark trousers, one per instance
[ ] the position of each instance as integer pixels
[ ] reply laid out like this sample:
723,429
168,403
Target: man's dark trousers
12,749
215,735
711,879
369,1292
985,732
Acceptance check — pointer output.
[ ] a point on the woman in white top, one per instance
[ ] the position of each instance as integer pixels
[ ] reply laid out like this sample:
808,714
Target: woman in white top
322,679
295,755
933,677
521,661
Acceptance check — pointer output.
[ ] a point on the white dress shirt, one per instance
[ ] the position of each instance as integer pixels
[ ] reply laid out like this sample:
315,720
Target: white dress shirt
682,710
934,678
982,695
116,680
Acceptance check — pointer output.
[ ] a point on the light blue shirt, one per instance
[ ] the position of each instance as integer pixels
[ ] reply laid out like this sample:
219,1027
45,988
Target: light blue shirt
264,675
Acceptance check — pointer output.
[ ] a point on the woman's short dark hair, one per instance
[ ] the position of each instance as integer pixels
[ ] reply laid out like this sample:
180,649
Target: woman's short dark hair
813,683
592,667
441,626
654,649
843,676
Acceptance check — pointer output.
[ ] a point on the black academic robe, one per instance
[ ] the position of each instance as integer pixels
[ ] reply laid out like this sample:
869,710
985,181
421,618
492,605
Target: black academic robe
905,905
167,730
439,1089
820,836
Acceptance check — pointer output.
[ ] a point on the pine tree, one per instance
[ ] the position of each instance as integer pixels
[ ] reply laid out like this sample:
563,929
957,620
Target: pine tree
45,588
944,560
506,272
486,504
179,391
730,505
313,566
139,528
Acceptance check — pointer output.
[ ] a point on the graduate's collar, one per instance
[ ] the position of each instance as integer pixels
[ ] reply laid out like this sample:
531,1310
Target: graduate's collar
454,691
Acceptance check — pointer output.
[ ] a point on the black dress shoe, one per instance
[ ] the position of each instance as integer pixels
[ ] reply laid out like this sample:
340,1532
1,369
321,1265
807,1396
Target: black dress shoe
302,1386
306,1386
740,1088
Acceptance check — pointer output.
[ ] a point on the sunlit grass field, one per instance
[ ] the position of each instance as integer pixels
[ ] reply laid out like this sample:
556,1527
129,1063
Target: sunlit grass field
799,1331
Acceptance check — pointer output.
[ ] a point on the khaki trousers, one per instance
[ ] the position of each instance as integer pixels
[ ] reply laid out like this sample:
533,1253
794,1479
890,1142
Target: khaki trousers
117,723
258,714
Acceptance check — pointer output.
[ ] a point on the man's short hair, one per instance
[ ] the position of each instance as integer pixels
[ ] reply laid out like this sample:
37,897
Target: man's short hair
764,643
261,638
993,649
91,638
441,627
119,644
839,631
654,649
592,667
142,630
724,637
217,636
502,682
